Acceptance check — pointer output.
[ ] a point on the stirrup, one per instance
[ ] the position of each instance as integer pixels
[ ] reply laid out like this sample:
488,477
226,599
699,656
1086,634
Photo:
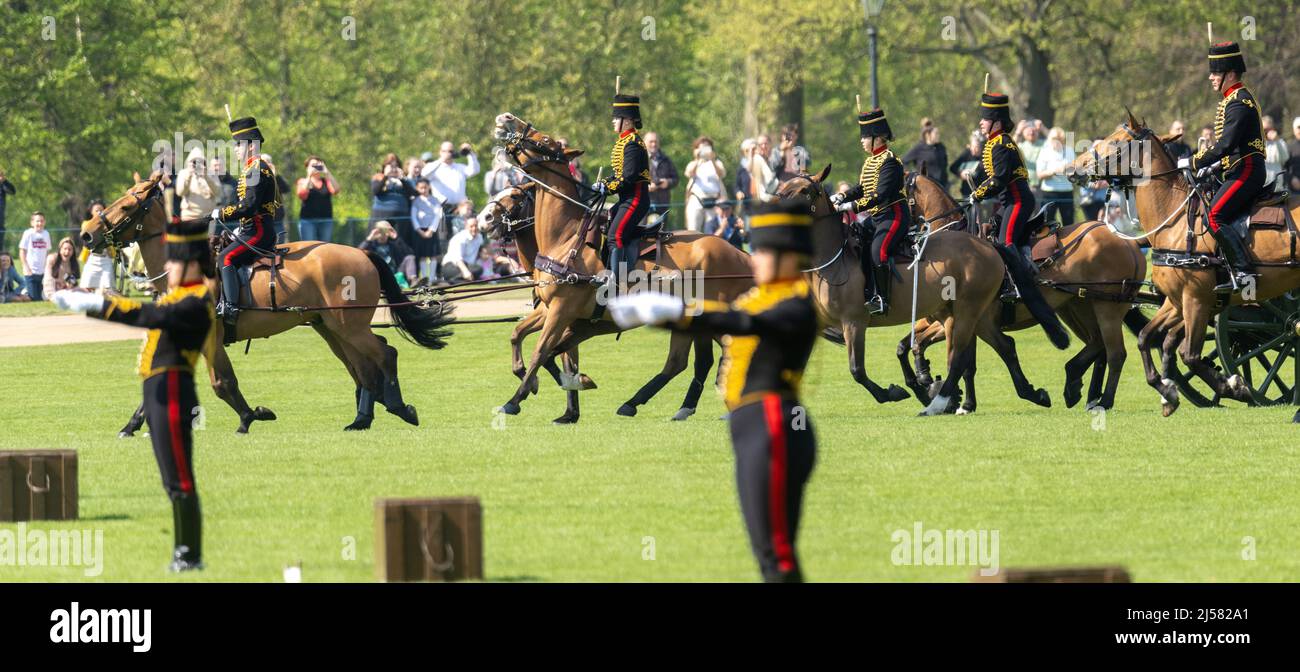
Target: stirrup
876,305
1237,279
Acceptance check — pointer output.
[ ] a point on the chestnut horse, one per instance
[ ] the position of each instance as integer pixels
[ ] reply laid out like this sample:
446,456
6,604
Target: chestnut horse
510,214
1094,277
574,306
314,276
960,277
1163,198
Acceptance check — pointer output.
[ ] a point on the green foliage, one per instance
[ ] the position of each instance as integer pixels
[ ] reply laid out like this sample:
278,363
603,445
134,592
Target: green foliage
81,111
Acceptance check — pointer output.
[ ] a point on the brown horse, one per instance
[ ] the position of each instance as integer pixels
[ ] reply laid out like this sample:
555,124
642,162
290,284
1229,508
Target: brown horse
568,285
313,276
1094,273
960,277
1164,199
510,214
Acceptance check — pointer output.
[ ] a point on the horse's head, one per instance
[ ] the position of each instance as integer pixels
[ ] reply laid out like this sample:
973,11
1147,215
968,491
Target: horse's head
122,220
1132,151
508,211
809,187
526,146
929,200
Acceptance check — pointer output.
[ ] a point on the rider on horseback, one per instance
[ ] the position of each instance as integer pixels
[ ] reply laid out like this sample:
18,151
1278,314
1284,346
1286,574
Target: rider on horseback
1001,172
630,179
879,194
259,198
1239,150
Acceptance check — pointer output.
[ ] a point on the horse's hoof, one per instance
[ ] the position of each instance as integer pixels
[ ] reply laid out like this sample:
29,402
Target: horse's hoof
587,382
1042,398
924,379
566,419
125,434
358,425
509,408
263,413
1073,392
407,414
1296,418
938,406
683,413
627,410
964,411
896,393
1239,390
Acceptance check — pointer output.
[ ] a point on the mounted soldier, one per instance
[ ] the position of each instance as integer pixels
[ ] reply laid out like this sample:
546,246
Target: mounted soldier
630,180
259,198
1002,173
879,195
1238,151
180,325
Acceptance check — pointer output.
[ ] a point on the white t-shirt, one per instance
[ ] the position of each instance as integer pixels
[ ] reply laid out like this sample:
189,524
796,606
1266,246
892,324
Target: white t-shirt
707,184
448,179
463,247
38,249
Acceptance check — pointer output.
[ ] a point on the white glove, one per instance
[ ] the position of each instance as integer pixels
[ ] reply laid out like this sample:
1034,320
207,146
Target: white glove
216,215
837,198
1204,172
1185,162
599,187
634,310
846,206
77,302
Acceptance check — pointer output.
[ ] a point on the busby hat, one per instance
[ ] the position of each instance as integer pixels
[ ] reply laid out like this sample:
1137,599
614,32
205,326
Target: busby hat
1226,57
873,124
627,107
188,241
996,107
245,128
784,226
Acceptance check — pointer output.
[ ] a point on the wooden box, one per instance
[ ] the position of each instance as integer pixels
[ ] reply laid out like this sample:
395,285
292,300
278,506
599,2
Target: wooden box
1056,575
429,539
38,485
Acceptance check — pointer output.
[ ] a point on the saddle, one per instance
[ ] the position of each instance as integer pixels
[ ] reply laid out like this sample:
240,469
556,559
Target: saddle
1272,210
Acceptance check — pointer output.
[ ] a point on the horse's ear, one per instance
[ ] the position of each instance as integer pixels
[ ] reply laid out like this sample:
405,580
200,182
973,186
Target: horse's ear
527,187
821,177
1172,137
571,154
1132,121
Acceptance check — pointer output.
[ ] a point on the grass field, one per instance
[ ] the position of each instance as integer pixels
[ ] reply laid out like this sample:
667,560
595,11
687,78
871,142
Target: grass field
1170,499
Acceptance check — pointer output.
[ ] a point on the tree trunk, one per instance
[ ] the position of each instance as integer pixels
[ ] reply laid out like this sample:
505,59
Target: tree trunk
752,93
1036,82
789,104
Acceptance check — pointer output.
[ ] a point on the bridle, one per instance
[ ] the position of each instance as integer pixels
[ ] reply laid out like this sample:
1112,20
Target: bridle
909,191
814,191
510,223
528,152
112,232
1124,182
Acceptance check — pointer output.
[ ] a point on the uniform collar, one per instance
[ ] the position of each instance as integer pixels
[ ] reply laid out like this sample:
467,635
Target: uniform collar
195,283
878,150
1232,88
626,133
995,134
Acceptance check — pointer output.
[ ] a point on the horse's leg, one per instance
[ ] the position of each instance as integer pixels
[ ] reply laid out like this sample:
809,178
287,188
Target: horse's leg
1196,318
960,354
703,364
554,326
1146,340
933,333
1110,322
221,373
679,351
376,349
904,354
855,340
968,377
132,425
364,399
1005,346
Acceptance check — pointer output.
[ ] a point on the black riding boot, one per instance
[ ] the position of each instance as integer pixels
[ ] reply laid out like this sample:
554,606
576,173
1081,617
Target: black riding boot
881,274
1241,266
1027,254
187,520
229,308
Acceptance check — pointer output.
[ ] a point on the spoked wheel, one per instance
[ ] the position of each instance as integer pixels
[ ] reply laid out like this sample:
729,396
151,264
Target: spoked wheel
1259,342
1190,387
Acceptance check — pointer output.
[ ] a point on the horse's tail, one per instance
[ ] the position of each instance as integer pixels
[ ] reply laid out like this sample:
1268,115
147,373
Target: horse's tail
423,326
1135,320
1033,298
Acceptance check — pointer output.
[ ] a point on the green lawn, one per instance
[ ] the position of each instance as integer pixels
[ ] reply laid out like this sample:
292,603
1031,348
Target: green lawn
1170,499
28,309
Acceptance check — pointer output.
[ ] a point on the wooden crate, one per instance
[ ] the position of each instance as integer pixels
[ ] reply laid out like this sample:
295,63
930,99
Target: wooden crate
429,539
1056,575
38,485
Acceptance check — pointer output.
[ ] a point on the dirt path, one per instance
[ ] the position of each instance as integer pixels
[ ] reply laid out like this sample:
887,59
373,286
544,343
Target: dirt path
61,329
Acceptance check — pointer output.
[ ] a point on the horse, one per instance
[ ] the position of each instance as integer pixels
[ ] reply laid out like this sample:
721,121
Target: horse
1095,274
567,266
1186,264
960,278
334,289
515,220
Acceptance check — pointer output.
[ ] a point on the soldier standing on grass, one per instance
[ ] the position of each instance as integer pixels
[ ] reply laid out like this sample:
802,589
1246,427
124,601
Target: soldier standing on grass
180,327
771,331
